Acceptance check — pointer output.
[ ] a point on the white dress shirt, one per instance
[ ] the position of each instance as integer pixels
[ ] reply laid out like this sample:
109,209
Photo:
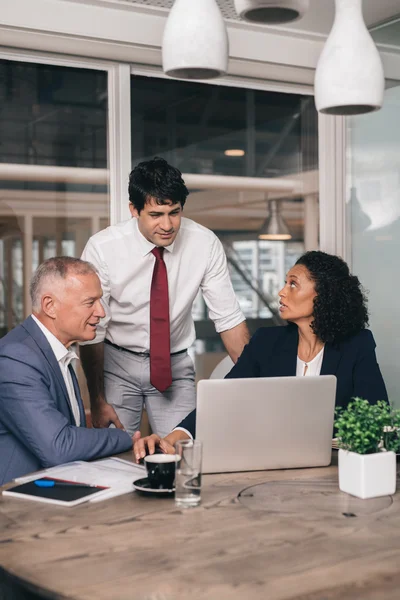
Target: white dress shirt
195,260
63,357
313,367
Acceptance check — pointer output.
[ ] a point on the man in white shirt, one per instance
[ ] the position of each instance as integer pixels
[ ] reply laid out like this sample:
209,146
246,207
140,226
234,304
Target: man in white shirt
151,268
42,418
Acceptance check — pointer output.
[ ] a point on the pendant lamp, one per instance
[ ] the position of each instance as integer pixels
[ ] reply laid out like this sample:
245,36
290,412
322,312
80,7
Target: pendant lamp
349,79
195,43
274,227
272,12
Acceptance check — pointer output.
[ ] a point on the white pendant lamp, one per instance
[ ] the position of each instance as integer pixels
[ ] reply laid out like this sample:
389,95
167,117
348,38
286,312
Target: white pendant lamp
274,227
273,12
349,79
195,43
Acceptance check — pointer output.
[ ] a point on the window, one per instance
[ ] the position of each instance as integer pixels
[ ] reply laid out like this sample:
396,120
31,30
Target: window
216,130
374,224
53,126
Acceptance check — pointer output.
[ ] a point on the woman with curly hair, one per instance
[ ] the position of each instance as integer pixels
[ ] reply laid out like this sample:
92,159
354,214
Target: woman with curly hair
326,335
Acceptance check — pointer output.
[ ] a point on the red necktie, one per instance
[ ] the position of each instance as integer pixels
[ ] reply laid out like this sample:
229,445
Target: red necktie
160,341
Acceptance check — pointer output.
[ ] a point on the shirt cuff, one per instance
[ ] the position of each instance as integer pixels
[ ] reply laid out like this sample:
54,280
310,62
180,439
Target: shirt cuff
185,430
225,324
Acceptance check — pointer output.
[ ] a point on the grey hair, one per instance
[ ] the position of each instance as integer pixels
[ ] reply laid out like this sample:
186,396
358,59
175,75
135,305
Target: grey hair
58,267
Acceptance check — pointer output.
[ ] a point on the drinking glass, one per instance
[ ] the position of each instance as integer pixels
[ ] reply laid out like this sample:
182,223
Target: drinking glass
188,473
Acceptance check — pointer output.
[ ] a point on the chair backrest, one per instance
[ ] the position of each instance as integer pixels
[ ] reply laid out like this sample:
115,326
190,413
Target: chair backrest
222,368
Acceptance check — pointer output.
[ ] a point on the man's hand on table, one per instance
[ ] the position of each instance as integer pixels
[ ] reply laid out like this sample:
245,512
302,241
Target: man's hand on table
149,444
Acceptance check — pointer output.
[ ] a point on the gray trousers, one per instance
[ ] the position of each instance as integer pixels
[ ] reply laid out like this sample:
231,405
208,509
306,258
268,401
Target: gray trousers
127,388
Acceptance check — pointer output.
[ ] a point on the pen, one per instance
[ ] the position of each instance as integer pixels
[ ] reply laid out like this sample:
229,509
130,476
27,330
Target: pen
49,483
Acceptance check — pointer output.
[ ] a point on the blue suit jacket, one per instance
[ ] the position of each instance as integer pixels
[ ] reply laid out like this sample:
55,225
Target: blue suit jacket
36,422
272,352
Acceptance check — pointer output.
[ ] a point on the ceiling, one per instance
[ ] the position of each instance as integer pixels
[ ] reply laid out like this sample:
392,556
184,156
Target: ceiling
318,19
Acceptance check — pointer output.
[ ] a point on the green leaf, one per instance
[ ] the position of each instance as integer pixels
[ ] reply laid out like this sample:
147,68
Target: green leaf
361,427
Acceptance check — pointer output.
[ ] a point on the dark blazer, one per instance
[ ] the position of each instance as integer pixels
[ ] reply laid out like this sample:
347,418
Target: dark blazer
272,352
37,427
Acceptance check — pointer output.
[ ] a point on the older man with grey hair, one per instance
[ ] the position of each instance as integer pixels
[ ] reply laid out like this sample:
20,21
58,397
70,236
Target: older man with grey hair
42,419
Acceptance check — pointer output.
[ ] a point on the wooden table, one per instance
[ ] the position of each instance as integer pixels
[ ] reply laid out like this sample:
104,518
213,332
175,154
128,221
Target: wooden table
295,536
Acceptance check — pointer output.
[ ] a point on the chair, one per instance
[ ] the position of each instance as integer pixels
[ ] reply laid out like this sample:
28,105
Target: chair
222,368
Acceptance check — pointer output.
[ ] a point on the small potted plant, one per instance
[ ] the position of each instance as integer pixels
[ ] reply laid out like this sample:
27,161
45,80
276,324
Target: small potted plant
368,439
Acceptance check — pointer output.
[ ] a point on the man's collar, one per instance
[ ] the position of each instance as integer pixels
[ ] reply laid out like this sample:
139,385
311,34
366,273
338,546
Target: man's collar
145,246
60,351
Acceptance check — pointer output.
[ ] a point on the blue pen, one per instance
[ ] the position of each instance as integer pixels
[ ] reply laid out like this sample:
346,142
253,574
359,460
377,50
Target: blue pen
50,483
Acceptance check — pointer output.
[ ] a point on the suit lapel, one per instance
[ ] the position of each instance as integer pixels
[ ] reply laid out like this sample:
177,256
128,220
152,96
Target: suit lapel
331,360
34,331
284,354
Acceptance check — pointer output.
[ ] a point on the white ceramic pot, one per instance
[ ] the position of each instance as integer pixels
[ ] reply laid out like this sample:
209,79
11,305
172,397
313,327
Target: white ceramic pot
195,43
349,78
271,11
367,475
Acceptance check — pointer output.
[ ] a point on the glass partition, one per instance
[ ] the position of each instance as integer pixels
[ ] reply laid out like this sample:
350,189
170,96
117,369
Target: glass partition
374,225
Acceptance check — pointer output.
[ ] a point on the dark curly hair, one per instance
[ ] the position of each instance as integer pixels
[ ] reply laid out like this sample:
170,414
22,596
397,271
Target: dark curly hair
156,179
340,306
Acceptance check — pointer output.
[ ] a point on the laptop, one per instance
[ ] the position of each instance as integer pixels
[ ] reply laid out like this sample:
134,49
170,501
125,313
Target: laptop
265,423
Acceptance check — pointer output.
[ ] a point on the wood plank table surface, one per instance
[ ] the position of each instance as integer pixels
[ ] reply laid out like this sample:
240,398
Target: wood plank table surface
270,535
